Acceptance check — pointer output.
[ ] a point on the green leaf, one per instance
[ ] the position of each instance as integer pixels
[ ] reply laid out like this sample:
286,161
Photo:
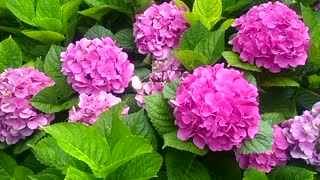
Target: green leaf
181,4
50,24
212,46
47,37
98,31
96,12
103,123
312,21
121,154
291,172
118,5
171,140
4,175
273,118
52,68
253,174
48,152
226,24
48,9
31,141
94,2
170,89
142,167
307,98
47,101
125,39
194,18
262,142
193,36
81,147
22,9
21,173
7,164
191,59
48,174
74,174
211,9
233,59
279,81
139,125
160,113
184,165
10,54
250,78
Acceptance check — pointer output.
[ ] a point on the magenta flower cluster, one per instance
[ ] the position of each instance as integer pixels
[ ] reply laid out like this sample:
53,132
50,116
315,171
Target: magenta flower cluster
96,65
162,72
278,156
303,135
217,107
159,29
18,119
272,36
91,106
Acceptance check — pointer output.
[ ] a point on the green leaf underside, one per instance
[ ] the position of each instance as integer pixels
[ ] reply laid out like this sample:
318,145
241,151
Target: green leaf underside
262,142
171,140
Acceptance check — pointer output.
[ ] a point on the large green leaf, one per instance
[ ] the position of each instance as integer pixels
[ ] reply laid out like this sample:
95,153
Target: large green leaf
193,36
191,59
69,9
307,98
74,174
96,12
7,164
121,154
291,172
98,31
119,5
48,9
233,59
142,167
21,173
212,46
22,9
184,165
47,37
139,125
4,175
10,54
52,68
262,142
48,152
312,21
31,141
171,140
160,113
253,174
194,18
280,81
48,174
273,118
80,145
47,101
50,24
125,39
169,89
211,9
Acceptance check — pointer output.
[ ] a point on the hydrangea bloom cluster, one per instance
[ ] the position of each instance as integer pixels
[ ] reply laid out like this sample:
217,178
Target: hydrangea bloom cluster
216,107
96,65
91,106
271,35
18,119
162,72
303,134
159,29
268,160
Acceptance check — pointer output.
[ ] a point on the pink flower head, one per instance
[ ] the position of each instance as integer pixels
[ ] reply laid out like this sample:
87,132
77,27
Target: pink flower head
216,107
18,119
271,35
162,72
91,106
268,160
303,134
96,65
159,29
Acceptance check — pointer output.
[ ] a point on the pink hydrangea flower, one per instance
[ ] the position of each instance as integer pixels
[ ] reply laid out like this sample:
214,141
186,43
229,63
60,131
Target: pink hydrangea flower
159,29
268,160
18,119
91,106
272,35
303,134
96,65
162,72
217,107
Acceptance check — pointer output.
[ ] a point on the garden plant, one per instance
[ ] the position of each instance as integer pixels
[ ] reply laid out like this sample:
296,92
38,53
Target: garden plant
155,89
